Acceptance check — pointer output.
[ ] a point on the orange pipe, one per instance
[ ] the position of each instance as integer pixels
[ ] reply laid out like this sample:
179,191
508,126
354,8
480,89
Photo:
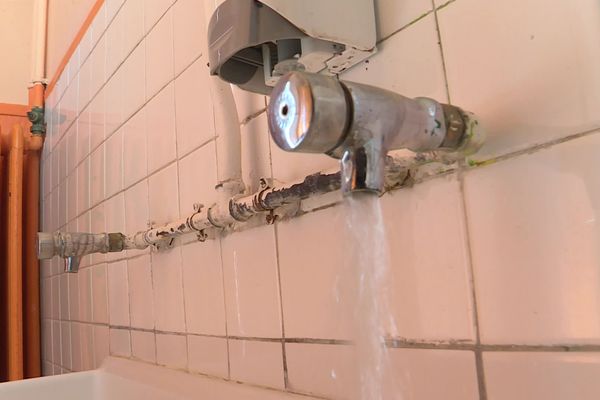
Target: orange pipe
36,95
15,255
31,271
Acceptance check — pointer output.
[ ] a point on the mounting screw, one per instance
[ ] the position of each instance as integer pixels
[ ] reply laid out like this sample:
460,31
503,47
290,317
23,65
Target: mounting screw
271,217
202,236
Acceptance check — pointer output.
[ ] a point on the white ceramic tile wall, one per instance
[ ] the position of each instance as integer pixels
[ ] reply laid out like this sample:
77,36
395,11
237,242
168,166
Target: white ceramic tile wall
485,263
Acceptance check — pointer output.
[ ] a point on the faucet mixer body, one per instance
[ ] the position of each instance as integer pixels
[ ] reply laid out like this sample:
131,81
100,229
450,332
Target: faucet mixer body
359,124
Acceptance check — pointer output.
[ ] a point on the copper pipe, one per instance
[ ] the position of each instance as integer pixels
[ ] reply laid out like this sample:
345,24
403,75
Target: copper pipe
31,275
15,255
36,95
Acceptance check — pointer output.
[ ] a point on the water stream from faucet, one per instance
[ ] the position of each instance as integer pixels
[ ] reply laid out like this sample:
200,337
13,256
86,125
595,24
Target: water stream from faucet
368,276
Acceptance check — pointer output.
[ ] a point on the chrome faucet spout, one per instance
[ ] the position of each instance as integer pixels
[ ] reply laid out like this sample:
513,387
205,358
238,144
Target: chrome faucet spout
360,124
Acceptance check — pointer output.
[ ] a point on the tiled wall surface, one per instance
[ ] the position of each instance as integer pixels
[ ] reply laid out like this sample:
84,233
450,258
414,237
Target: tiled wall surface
495,268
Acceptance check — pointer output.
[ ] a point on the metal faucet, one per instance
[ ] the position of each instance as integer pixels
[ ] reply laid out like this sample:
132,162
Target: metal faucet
359,124
73,246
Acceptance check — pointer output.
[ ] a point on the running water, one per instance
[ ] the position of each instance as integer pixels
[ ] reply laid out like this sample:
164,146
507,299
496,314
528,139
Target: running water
368,276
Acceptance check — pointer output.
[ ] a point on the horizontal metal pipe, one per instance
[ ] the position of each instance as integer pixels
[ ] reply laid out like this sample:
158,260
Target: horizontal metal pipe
238,210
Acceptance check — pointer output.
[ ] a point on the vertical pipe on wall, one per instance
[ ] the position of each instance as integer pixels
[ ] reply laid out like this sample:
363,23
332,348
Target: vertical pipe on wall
31,272
38,56
229,139
15,255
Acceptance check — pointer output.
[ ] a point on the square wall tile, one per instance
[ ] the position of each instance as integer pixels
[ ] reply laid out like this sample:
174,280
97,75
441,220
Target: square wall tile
310,261
118,294
531,48
113,97
159,54
46,297
332,371
136,208
171,351
46,339
534,233
190,38
252,283
115,43
83,186
133,14
429,293
100,300
208,355
83,135
97,114
120,343
194,107
56,343
141,301
101,344
259,363
322,369
203,288
391,15
65,334
431,374
548,376
85,82
198,178
134,70
47,368
114,164
389,69
168,290
73,297
75,346
154,10
64,296
143,346
71,197
163,194
85,294
135,162
98,67
112,7
160,120
71,137
86,333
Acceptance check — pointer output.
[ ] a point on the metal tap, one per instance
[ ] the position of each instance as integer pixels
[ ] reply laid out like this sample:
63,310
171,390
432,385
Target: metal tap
359,124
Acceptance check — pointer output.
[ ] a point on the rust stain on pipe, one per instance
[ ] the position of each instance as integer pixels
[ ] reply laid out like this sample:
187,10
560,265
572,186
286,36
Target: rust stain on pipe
15,254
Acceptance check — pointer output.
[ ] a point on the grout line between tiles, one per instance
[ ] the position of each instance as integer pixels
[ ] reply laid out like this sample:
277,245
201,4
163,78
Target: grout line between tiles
283,349
439,37
475,311
398,343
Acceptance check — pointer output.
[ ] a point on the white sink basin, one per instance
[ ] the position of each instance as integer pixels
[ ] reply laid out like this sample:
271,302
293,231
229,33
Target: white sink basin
120,379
